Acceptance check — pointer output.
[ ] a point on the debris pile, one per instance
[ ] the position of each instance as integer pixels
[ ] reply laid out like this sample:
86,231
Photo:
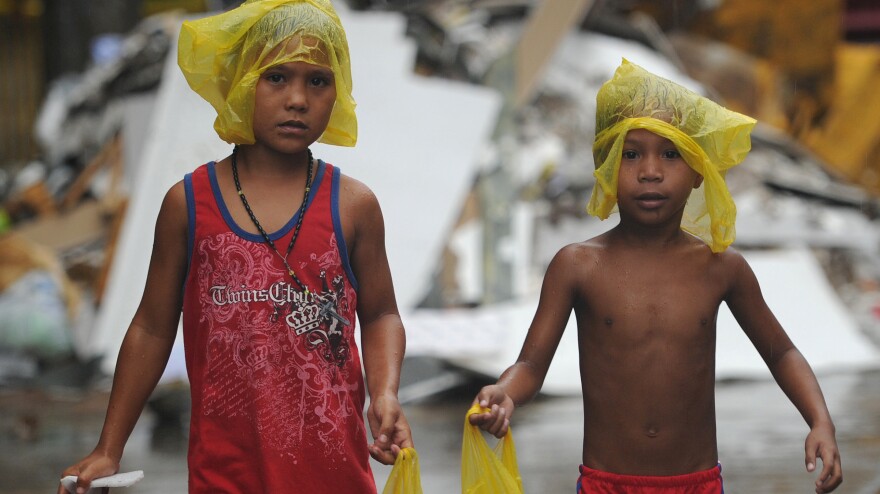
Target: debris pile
61,214
811,181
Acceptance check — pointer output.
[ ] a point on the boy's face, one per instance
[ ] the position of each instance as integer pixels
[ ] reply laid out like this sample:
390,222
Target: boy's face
292,105
654,180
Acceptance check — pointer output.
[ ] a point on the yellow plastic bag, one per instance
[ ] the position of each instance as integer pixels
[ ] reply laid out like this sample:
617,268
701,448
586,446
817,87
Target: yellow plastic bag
405,476
484,471
222,57
711,139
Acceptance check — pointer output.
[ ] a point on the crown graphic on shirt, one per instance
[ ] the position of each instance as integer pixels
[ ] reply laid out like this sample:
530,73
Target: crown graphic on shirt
305,318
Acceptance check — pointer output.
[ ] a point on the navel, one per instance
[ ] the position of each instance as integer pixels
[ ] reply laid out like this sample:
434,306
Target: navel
609,321
704,322
652,432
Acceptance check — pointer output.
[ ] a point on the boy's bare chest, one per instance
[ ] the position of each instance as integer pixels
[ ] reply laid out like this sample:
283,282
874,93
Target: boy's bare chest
672,295
664,286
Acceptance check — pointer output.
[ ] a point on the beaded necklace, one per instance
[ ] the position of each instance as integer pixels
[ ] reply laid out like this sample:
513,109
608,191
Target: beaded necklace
302,212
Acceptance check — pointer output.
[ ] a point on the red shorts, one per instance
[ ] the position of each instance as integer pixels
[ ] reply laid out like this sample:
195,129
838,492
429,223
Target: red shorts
598,482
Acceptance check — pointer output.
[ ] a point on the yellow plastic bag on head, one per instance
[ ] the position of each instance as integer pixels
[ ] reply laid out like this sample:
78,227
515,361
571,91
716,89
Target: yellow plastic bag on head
405,476
484,470
222,57
711,138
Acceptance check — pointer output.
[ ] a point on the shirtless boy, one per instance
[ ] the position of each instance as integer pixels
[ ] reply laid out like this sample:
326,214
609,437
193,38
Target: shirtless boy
646,296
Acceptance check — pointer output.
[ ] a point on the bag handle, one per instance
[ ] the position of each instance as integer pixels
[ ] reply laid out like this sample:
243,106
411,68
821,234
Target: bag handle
487,471
405,476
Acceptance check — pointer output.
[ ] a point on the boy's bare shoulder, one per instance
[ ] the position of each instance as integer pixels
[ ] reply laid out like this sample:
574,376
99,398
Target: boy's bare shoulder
730,260
174,207
359,208
356,193
733,265
176,193
726,264
595,246
584,255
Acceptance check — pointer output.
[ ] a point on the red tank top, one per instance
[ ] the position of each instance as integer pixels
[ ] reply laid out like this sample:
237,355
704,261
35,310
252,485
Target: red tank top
277,388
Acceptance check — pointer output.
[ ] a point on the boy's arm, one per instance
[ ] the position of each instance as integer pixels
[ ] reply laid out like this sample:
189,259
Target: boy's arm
383,340
147,343
788,367
522,381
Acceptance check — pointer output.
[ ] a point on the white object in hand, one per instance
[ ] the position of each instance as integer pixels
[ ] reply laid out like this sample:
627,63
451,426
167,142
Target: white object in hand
118,480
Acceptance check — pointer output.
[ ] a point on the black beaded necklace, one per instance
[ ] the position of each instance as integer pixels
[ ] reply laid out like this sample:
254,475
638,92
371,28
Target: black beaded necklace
302,212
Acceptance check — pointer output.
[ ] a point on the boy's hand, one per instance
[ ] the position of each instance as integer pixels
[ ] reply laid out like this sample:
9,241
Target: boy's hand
390,429
92,467
820,443
497,420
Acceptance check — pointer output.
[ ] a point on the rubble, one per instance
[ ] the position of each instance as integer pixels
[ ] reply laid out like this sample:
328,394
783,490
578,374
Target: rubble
63,211
811,181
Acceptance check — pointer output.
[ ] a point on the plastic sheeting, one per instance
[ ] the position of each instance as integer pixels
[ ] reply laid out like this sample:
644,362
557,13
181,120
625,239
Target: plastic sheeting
710,137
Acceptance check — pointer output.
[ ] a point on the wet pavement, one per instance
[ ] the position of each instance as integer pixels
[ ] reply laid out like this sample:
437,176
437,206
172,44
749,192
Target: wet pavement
760,437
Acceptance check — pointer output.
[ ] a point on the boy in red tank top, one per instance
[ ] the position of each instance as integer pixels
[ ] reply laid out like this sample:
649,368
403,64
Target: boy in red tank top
270,255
